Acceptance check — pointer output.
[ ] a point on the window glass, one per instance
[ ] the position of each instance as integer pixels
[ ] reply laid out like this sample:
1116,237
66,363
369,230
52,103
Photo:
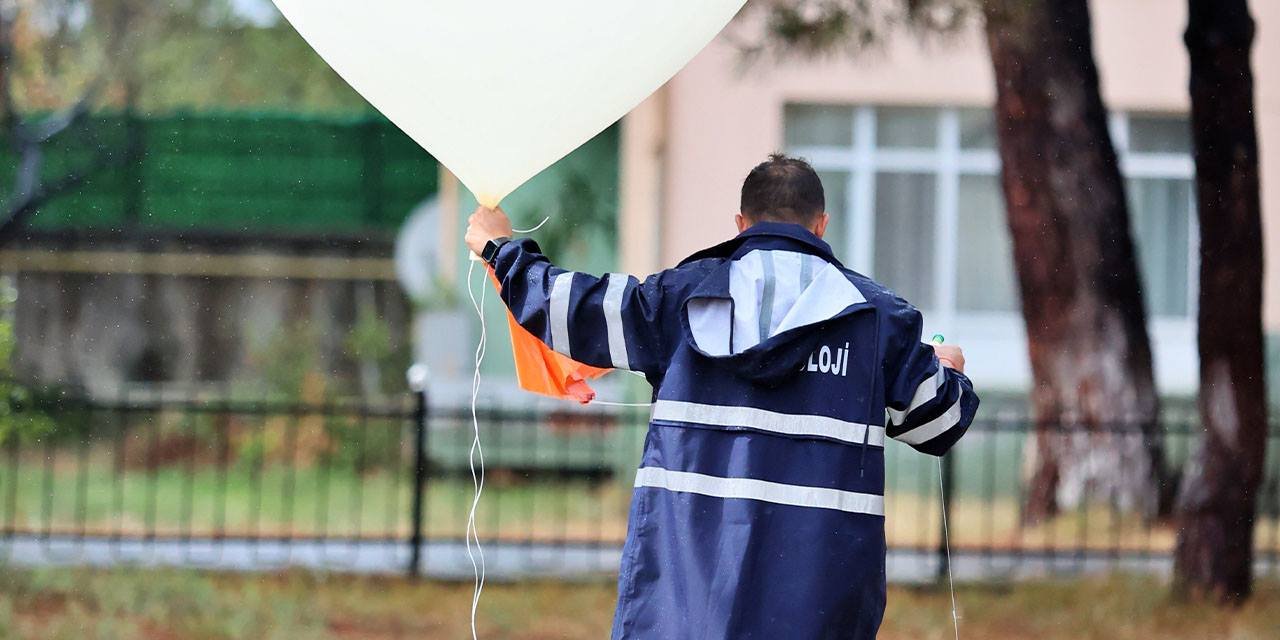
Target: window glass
1160,209
911,127
977,129
905,211
813,125
984,255
1159,134
836,186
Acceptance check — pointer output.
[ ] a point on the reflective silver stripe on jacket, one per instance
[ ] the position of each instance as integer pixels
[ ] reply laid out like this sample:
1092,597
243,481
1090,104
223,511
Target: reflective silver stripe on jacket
612,304
752,418
935,427
561,289
924,394
752,489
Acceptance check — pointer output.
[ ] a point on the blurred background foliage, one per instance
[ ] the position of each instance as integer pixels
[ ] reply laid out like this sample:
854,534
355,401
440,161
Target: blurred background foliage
162,56
20,414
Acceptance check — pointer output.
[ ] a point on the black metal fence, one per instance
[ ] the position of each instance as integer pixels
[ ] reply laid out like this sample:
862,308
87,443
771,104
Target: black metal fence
387,486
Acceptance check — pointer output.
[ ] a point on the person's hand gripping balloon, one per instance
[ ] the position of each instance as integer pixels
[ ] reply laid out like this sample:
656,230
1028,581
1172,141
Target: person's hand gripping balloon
486,224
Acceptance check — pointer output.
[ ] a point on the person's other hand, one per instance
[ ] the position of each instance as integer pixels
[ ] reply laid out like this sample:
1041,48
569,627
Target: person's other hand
484,225
950,356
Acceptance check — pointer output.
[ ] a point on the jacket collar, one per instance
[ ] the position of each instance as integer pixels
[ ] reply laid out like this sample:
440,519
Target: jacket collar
762,235
769,235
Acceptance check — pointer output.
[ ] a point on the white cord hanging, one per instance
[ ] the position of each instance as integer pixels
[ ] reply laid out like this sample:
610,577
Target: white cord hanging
533,228
946,540
476,453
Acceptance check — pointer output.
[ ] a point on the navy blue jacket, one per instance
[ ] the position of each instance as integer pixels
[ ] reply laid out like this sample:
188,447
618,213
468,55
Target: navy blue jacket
758,509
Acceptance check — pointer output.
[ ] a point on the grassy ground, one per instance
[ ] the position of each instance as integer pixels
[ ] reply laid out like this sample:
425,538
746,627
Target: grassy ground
78,603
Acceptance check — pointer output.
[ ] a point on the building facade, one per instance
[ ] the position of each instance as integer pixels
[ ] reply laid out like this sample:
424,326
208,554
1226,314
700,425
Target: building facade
904,140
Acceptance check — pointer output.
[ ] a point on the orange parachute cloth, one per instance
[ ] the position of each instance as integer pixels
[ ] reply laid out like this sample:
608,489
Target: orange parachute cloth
541,370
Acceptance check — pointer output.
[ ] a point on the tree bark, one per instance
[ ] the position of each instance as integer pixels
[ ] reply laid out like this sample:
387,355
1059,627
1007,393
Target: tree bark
1094,398
1217,501
28,192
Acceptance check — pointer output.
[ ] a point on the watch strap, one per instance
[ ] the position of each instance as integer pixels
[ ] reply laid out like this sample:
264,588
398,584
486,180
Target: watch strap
491,248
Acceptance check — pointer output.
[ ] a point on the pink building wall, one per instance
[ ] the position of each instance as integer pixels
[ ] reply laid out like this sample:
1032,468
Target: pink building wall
717,119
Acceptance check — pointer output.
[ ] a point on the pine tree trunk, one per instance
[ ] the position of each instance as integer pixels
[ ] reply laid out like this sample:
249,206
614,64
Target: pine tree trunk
1217,501
1094,399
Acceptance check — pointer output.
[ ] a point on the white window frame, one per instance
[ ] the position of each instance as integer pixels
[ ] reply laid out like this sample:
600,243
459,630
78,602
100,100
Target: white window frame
997,339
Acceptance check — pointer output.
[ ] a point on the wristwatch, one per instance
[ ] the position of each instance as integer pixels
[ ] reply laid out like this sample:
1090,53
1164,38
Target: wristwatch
491,248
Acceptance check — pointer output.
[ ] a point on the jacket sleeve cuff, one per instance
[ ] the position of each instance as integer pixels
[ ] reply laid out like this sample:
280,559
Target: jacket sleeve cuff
508,255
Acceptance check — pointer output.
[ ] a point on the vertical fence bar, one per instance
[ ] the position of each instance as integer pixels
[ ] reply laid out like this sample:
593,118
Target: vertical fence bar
46,499
356,505
992,437
288,488
418,382
11,499
947,488
222,426
121,421
187,517
82,486
153,473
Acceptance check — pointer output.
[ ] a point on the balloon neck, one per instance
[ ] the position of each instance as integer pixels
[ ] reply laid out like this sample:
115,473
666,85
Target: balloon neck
489,202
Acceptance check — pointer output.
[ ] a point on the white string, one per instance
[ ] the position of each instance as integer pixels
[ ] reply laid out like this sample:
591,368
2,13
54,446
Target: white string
946,540
477,452
534,228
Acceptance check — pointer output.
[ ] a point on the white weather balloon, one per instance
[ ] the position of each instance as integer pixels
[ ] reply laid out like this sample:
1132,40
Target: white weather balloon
498,90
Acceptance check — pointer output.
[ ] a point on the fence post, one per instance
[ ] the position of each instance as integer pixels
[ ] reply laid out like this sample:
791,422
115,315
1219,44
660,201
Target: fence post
946,487
417,376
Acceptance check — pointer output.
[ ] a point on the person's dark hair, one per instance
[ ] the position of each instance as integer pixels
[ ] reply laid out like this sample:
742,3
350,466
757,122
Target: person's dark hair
783,189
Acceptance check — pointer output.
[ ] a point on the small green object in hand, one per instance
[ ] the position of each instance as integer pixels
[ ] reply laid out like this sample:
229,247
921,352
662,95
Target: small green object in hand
937,339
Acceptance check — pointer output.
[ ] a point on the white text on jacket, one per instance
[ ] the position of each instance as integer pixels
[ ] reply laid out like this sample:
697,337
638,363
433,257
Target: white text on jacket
828,360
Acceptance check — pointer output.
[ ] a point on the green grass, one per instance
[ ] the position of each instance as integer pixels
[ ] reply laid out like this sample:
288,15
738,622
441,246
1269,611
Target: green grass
56,604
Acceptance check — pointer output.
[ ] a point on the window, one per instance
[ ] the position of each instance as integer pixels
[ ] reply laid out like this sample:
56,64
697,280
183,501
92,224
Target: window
905,231
1155,152
916,202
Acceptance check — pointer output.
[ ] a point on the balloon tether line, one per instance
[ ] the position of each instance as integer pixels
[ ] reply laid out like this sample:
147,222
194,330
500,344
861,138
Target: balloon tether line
476,453
533,228
946,542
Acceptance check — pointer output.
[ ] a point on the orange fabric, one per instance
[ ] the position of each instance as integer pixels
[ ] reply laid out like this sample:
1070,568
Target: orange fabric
541,370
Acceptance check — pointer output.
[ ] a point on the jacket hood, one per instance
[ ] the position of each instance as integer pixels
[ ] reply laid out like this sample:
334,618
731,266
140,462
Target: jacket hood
761,312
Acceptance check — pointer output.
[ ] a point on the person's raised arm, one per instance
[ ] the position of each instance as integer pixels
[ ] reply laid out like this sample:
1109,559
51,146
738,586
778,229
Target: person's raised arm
605,321
930,401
